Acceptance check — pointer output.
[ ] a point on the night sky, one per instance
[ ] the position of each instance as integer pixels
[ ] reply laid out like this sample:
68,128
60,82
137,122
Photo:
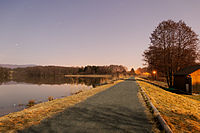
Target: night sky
85,32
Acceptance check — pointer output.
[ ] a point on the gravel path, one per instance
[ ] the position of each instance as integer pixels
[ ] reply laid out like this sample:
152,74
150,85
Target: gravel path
115,110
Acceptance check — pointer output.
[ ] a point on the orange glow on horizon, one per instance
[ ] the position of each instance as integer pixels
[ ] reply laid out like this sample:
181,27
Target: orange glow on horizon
154,72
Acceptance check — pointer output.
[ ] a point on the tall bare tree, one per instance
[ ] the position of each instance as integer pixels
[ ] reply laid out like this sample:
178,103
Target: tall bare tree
173,45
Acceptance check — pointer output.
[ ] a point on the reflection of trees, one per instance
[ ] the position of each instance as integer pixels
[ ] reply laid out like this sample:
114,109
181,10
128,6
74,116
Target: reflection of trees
86,81
4,80
61,80
4,75
89,81
41,80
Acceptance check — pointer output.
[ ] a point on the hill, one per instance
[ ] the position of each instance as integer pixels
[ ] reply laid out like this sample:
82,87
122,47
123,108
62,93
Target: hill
16,66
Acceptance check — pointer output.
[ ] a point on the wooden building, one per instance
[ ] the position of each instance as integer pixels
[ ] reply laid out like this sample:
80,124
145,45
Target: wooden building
188,79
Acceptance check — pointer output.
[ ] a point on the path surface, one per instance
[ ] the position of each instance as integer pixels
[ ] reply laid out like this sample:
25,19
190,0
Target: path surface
115,110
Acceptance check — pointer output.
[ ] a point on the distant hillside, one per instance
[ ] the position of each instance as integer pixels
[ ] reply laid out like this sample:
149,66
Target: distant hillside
16,66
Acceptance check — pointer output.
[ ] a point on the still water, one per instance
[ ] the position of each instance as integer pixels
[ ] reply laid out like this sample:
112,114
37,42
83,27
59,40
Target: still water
14,95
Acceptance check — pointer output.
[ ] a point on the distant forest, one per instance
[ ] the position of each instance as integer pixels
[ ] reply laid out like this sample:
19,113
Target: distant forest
4,74
49,71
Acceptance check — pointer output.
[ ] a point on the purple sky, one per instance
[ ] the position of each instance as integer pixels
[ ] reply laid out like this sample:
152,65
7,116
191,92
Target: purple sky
85,32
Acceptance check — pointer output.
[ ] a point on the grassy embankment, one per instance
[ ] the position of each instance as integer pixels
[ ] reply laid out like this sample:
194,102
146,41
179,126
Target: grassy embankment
163,84
181,112
33,115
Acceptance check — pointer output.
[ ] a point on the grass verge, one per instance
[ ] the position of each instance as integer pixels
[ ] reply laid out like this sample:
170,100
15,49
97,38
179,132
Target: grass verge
163,84
33,115
181,113
195,97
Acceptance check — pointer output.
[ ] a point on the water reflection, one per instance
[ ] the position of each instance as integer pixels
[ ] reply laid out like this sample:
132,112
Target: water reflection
4,80
19,91
60,80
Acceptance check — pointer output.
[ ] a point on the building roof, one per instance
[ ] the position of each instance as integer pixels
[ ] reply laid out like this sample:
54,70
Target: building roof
188,70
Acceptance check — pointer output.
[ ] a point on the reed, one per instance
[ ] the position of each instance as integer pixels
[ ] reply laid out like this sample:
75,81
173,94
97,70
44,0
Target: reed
50,98
31,103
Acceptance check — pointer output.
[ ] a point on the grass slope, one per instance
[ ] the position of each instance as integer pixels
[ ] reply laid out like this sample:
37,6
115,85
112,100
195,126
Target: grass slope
163,84
180,112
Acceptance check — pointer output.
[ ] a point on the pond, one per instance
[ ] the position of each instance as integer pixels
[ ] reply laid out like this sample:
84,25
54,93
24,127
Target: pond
15,94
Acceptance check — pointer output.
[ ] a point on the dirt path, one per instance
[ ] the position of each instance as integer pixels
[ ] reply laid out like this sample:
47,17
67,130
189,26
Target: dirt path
116,110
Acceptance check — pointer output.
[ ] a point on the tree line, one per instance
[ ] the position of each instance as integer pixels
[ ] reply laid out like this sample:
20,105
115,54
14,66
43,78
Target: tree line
4,72
173,46
47,71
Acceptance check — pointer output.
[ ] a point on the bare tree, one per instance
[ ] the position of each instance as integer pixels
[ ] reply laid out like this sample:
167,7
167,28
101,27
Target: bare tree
173,46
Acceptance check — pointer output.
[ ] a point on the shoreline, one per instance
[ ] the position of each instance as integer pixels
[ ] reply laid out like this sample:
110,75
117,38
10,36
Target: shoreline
33,115
88,76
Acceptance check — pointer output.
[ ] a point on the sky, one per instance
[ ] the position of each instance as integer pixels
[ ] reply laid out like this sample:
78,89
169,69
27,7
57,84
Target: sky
85,32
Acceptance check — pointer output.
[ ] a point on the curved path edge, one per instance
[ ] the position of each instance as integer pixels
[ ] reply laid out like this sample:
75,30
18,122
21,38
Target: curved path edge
156,113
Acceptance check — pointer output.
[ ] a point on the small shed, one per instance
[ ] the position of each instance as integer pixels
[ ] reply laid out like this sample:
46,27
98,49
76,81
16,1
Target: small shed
188,79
